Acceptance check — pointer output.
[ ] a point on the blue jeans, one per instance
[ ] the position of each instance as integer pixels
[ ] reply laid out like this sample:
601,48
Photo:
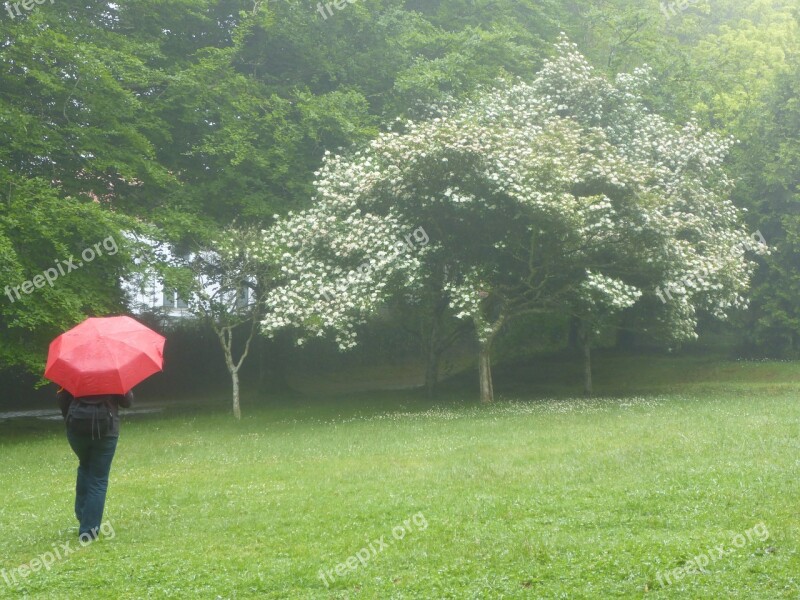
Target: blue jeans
94,458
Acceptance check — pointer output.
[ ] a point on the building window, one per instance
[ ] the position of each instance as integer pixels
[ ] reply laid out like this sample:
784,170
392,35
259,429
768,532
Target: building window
169,299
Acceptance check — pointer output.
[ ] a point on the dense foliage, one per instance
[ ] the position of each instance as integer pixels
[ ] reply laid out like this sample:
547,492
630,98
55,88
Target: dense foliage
190,115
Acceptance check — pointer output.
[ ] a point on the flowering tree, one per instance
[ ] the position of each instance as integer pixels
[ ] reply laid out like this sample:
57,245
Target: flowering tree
564,195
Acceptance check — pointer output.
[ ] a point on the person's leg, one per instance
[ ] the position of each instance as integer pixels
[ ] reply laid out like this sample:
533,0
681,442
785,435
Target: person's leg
102,453
81,446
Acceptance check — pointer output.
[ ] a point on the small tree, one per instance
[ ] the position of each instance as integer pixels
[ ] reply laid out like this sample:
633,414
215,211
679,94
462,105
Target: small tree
226,287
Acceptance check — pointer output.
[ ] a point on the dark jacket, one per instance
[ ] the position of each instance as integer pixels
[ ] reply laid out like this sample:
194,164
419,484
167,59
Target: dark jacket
114,400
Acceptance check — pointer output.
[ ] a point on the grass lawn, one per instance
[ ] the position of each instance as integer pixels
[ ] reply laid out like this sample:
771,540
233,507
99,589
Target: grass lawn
529,498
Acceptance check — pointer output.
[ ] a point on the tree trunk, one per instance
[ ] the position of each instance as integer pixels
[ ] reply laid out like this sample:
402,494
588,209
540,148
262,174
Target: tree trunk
573,334
587,365
436,346
432,363
626,338
485,358
485,373
261,370
225,335
237,409
432,373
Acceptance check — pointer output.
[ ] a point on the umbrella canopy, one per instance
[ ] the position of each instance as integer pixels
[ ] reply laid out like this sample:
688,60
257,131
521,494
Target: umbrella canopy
104,356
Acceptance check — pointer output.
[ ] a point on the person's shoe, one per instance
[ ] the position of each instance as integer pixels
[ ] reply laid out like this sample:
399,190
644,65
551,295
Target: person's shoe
88,536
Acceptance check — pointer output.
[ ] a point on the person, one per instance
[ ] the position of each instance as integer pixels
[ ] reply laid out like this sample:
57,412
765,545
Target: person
92,424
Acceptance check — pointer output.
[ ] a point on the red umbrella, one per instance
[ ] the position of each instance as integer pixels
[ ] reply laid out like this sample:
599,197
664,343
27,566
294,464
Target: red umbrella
104,356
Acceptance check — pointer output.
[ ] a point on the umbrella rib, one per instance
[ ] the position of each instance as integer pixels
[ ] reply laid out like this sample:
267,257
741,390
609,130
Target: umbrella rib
113,358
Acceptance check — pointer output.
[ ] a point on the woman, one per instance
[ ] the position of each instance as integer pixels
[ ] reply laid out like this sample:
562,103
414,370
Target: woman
92,430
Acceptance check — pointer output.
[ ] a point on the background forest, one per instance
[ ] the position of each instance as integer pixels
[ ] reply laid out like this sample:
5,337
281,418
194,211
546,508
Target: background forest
175,120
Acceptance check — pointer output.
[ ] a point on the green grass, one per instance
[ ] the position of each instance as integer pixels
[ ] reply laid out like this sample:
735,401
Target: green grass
529,498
